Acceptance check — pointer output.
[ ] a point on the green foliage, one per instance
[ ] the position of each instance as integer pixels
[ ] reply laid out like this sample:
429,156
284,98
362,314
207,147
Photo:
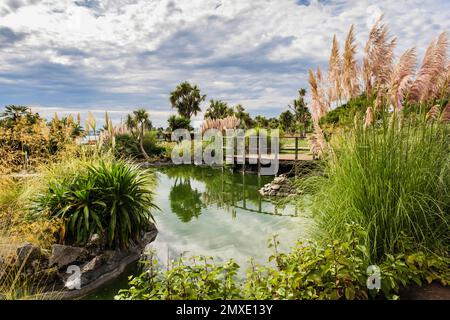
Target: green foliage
241,114
12,114
197,278
179,122
185,201
287,123
261,121
186,99
218,110
128,146
151,144
392,177
26,140
326,270
344,114
112,199
301,112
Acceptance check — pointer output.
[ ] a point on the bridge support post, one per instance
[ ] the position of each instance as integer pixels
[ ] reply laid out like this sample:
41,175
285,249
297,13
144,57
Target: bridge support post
296,156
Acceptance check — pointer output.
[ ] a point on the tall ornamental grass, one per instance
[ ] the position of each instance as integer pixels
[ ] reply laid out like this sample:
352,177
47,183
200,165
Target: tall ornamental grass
392,178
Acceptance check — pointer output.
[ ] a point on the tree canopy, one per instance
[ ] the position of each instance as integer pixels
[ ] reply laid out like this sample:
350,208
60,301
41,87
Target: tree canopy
186,99
218,109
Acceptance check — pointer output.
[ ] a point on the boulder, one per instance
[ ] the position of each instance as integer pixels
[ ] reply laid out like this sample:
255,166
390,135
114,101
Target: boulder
27,253
93,264
280,186
65,255
149,237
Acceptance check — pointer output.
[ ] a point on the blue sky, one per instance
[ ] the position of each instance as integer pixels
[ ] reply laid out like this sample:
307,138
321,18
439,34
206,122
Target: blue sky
70,56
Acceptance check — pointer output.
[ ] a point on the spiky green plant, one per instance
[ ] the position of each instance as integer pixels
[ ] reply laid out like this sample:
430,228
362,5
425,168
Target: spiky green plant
113,199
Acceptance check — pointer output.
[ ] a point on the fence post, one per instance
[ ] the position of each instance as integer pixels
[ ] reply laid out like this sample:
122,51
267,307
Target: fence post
296,156
259,155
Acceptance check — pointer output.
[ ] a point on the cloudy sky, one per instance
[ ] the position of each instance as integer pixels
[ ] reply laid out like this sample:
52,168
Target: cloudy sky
78,55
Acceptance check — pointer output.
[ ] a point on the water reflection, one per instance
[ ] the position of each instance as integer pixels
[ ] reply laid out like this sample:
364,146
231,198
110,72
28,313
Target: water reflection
218,214
185,201
222,188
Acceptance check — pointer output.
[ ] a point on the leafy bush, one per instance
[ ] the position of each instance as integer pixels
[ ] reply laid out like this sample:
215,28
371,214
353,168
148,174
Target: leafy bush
112,199
151,144
179,122
344,114
128,146
334,270
392,177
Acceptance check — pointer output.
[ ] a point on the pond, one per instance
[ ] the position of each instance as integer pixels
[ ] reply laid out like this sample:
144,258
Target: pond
217,213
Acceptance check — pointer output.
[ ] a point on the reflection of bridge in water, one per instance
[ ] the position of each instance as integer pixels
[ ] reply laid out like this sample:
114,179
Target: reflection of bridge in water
260,200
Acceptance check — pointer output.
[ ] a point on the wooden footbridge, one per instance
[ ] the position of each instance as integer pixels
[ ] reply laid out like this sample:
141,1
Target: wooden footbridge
288,154
292,149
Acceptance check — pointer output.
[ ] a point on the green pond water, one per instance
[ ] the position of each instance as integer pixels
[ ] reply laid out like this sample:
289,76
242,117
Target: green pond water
217,213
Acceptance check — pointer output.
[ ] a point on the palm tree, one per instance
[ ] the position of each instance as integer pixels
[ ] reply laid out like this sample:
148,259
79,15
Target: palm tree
142,122
186,99
218,110
261,121
178,122
301,111
243,116
14,113
130,123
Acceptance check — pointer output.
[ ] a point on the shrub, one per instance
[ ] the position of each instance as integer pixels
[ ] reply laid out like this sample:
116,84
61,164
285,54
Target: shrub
15,227
151,145
179,122
128,146
112,199
344,114
333,270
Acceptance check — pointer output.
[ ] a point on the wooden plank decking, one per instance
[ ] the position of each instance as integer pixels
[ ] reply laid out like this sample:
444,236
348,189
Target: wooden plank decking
281,157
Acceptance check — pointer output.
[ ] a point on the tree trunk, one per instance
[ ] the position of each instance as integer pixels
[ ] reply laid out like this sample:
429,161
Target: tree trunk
141,143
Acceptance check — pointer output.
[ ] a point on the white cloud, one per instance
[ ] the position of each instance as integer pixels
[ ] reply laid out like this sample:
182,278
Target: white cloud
131,53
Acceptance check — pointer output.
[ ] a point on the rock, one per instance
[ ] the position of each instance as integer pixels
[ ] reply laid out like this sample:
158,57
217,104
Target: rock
280,179
93,264
149,237
280,186
27,253
65,255
94,241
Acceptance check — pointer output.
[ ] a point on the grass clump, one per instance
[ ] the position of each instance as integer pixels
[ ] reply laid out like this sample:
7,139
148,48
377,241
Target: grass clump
391,178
